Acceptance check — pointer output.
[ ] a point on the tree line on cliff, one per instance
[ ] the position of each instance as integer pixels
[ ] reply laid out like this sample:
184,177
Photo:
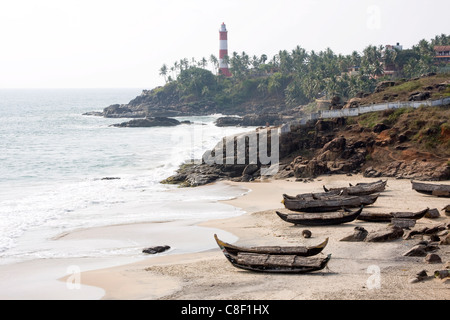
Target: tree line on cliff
296,77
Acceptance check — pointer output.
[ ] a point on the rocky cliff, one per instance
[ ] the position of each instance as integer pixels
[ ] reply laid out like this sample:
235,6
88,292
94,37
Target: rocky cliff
404,143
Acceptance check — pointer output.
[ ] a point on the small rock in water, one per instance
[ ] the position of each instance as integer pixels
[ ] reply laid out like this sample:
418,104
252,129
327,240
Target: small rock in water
157,249
306,233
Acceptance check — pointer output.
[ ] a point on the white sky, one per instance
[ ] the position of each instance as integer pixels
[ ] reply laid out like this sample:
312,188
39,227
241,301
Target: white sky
123,43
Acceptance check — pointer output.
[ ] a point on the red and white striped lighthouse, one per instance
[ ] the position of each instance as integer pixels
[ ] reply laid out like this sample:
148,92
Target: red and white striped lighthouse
223,65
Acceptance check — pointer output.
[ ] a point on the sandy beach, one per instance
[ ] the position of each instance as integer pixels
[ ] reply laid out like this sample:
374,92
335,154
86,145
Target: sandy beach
197,270
350,273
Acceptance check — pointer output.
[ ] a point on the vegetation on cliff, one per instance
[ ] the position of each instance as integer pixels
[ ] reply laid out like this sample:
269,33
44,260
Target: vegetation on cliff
407,142
294,78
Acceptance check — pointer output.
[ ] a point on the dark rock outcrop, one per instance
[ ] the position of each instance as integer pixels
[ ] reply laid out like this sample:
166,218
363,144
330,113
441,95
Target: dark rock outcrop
391,233
228,121
421,249
433,258
122,111
336,156
252,120
359,234
149,122
432,213
156,249
383,85
419,96
414,169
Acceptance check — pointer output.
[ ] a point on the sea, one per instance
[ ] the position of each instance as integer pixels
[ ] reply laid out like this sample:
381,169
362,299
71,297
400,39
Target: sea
62,171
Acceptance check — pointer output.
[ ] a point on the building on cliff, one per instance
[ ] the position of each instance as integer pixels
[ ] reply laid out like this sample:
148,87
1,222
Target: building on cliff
442,54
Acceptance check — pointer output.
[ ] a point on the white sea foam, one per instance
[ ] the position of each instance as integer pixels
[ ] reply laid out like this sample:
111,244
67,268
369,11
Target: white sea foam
53,159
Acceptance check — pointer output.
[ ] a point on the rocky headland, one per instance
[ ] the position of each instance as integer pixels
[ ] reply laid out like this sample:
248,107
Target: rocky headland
405,143
402,143
413,144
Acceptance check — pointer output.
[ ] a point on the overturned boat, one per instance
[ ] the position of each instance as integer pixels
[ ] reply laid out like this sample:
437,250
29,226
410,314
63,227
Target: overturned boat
387,217
433,189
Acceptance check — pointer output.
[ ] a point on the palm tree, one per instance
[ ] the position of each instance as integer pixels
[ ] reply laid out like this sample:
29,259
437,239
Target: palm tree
176,67
262,87
255,62
203,62
173,70
263,58
214,62
163,72
245,62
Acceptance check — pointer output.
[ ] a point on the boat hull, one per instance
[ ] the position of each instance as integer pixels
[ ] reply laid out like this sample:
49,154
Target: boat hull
320,219
303,251
361,189
387,217
327,204
437,190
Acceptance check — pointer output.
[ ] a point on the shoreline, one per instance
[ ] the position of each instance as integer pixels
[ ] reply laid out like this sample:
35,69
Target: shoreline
206,275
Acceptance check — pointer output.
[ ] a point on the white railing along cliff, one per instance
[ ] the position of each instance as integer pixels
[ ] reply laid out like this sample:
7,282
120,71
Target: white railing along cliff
353,112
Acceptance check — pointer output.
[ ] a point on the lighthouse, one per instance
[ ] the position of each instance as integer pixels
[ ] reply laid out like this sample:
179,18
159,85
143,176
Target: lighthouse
223,52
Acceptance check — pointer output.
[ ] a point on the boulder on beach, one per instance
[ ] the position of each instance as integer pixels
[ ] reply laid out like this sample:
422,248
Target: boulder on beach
156,249
306,233
391,233
433,258
359,234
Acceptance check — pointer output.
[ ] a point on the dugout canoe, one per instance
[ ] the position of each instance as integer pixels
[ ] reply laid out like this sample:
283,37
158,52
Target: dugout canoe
303,251
270,263
327,204
361,189
321,218
438,190
387,217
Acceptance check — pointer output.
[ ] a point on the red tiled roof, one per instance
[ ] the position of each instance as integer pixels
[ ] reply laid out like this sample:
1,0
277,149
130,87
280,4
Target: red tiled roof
442,48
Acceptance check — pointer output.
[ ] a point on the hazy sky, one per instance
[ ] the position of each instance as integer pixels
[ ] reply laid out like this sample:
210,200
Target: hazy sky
123,43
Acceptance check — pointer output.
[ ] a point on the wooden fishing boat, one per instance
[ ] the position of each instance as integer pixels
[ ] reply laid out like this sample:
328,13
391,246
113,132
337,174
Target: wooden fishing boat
365,183
361,189
387,217
326,204
316,195
262,262
321,218
438,190
303,251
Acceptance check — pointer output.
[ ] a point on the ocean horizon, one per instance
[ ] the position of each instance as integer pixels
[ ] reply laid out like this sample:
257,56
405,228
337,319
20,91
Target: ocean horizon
63,171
